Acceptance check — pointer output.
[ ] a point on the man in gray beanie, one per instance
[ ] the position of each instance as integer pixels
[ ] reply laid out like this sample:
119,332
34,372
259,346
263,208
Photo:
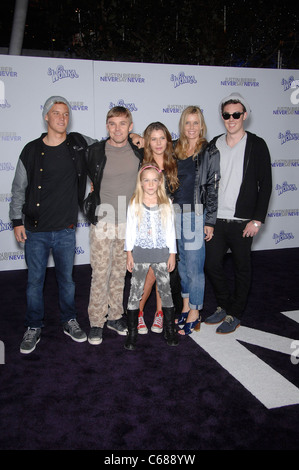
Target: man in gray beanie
48,186
244,193
53,100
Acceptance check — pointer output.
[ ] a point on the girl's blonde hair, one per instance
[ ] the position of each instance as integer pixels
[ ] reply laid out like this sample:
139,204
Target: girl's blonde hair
181,149
169,160
162,198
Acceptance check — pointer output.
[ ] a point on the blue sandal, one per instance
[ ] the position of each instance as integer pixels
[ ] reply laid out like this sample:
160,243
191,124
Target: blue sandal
191,326
182,319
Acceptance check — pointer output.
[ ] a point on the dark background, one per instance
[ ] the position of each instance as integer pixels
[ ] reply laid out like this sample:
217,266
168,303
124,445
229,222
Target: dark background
214,32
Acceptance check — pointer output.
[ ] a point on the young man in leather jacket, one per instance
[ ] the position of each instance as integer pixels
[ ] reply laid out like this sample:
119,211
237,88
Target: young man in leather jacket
243,198
48,186
112,167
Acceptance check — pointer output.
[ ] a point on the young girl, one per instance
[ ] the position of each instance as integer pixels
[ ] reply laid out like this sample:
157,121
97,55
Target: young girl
158,149
150,241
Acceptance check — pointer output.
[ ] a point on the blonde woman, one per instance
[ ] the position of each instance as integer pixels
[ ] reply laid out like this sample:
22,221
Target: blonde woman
150,242
197,201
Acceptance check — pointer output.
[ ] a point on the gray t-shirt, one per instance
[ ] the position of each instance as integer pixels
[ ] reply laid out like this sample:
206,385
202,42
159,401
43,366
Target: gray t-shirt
231,171
118,184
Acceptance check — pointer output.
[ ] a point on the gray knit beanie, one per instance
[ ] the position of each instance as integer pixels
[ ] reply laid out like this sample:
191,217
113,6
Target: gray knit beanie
235,97
51,101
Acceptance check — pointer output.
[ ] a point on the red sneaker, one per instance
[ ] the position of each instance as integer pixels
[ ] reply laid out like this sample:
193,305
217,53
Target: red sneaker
142,328
157,326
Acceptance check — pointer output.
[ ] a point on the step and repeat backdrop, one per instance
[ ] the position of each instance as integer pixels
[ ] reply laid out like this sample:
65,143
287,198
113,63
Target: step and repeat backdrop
152,92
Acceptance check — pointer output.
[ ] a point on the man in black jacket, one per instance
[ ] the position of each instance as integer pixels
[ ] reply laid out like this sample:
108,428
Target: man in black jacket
49,183
244,193
112,166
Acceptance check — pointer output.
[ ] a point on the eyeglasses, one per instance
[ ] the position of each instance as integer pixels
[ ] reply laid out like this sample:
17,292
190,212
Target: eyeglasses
226,116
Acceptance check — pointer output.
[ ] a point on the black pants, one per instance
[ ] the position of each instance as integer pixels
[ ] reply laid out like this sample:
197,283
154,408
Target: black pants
229,235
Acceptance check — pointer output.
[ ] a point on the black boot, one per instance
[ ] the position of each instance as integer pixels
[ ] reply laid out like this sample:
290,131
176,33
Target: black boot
175,286
170,333
132,322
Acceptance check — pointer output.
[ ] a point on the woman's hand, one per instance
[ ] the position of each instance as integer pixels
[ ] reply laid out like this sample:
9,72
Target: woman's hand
171,262
130,261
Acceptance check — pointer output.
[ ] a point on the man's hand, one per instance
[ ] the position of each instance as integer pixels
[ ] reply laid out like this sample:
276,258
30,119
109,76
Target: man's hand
137,140
209,232
20,233
252,228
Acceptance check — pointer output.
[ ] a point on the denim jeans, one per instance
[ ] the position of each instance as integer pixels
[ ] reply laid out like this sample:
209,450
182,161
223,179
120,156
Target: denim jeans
191,248
37,250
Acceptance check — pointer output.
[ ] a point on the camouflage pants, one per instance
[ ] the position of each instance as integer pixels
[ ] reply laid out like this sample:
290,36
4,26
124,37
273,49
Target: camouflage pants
137,284
108,263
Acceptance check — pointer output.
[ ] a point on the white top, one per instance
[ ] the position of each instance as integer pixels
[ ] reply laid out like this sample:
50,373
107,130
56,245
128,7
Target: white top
231,172
151,234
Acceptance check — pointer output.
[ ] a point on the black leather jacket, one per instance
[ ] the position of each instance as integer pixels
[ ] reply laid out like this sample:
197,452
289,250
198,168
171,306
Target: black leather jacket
28,177
206,185
96,161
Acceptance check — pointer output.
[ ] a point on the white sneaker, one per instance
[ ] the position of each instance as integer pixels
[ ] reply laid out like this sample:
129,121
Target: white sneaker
157,326
142,328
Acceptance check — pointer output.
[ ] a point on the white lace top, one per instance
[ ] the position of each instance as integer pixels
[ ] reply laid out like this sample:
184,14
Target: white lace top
150,235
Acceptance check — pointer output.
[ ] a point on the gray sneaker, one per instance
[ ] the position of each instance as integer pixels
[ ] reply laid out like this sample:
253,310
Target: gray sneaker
217,317
118,325
72,329
30,340
95,335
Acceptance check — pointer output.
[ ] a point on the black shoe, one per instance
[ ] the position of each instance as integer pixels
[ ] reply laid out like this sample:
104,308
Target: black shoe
95,335
72,329
118,325
170,333
130,343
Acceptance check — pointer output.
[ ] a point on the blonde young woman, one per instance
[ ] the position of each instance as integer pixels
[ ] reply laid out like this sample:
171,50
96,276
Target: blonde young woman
150,242
158,149
197,199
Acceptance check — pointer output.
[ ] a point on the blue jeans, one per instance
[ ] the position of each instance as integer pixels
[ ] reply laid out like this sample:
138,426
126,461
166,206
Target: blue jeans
191,248
37,250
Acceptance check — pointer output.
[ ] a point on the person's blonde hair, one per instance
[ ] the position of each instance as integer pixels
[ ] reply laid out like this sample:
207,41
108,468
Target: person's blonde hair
181,149
169,160
162,198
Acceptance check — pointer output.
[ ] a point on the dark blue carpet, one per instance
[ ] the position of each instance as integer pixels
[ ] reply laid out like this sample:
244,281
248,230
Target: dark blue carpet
69,396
